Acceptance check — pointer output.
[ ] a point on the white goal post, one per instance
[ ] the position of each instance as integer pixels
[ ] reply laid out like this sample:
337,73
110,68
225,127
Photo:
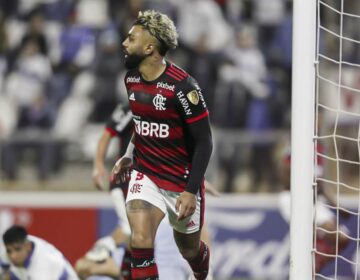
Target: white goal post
302,133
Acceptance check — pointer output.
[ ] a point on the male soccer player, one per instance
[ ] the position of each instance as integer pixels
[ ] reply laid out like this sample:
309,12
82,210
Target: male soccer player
99,260
173,144
103,259
28,257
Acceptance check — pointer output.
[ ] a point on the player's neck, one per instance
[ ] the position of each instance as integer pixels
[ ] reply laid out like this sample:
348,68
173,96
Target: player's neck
152,68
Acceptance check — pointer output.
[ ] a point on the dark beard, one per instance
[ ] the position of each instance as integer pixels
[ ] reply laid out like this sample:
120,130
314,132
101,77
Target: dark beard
133,60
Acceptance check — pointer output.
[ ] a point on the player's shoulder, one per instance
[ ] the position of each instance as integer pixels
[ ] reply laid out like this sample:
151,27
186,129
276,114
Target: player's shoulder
178,76
46,257
175,73
42,247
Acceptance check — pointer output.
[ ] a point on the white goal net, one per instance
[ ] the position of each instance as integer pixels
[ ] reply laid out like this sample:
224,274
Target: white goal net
336,253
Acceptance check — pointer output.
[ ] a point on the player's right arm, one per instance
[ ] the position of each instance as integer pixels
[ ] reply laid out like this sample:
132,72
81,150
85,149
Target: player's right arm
121,169
100,174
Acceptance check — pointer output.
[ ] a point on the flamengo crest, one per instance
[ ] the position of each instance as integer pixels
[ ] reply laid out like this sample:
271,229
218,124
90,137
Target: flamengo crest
159,102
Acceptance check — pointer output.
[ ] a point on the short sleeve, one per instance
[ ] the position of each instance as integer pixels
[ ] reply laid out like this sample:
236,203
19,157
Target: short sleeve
53,268
120,121
191,101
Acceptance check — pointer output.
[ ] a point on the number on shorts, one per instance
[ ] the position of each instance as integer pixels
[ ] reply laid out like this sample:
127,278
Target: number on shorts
139,176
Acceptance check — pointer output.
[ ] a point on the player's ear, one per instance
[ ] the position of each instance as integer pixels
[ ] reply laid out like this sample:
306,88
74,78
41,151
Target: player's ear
149,49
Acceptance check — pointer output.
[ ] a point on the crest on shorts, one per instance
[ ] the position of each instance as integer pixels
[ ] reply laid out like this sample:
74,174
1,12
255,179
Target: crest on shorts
193,97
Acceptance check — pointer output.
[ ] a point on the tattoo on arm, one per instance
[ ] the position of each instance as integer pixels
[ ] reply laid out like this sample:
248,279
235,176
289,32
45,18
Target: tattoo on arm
138,205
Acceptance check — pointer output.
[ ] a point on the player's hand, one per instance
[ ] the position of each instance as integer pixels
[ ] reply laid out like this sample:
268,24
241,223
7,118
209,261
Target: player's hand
185,205
100,177
121,170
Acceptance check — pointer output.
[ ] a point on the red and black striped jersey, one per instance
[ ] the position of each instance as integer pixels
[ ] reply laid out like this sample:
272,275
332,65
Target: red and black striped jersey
163,110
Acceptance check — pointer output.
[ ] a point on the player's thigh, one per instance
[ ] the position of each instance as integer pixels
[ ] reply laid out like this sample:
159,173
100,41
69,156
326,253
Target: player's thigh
190,224
144,205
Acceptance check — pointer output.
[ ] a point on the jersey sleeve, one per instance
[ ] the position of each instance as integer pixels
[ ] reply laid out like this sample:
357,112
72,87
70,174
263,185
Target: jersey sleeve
53,268
120,121
191,101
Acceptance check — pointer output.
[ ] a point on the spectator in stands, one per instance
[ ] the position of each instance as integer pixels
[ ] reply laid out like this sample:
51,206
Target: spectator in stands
268,15
4,48
77,44
106,69
36,31
203,63
26,85
242,95
279,57
26,88
203,17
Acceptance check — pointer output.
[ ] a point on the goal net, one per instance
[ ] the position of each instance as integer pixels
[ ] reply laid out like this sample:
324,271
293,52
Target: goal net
336,253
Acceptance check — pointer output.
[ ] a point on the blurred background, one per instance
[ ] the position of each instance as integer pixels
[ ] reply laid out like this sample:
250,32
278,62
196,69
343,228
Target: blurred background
61,77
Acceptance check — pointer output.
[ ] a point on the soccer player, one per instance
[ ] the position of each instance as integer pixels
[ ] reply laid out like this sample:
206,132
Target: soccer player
104,257
325,218
172,147
28,257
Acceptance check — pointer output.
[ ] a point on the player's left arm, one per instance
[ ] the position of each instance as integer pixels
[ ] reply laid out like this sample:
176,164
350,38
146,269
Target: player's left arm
201,134
196,116
100,175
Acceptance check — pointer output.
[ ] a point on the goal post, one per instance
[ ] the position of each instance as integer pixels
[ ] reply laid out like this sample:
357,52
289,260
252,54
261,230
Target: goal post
302,134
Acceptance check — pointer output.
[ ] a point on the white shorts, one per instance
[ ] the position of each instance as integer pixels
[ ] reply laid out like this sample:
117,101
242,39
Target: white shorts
141,187
323,214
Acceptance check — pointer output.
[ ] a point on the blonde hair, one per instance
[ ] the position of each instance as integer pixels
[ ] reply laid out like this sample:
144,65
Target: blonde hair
161,27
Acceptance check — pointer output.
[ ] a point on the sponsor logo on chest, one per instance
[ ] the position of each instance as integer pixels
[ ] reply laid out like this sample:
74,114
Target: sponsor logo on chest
165,86
133,80
152,129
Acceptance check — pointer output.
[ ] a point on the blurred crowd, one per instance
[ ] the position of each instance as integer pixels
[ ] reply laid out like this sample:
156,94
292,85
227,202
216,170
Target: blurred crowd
61,74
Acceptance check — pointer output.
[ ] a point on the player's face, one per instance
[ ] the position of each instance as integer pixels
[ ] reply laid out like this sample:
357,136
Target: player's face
18,252
137,46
